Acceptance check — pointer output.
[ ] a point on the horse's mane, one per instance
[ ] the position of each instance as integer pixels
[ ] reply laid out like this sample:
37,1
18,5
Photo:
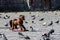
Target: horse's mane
15,19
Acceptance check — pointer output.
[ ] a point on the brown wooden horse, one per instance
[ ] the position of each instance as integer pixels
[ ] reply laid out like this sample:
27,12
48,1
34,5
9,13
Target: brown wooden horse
18,22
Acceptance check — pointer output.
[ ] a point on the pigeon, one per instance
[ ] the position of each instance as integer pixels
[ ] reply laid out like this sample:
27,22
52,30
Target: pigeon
32,29
0,35
41,19
20,34
27,37
45,23
32,21
45,37
26,22
7,16
51,23
33,16
6,24
51,31
57,21
4,17
5,37
45,34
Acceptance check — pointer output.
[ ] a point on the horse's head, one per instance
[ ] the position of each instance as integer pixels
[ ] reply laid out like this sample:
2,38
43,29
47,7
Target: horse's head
22,17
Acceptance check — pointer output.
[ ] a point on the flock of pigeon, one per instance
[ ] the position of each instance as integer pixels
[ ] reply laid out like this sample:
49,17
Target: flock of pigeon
44,24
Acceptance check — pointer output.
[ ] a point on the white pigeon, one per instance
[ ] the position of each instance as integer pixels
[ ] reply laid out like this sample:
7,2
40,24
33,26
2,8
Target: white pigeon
45,23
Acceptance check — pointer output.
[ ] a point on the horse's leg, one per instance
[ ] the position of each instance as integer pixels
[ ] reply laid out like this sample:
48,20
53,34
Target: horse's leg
12,27
15,26
23,27
10,23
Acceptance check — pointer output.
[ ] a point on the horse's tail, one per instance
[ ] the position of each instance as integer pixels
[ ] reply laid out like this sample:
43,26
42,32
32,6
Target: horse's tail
10,23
